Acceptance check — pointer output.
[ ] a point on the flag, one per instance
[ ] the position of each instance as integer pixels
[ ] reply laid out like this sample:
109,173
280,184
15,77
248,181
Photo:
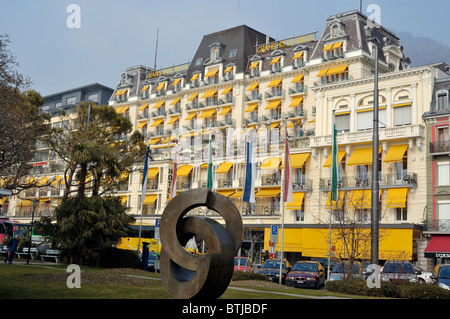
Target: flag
248,195
175,168
288,190
144,176
209,181
334,168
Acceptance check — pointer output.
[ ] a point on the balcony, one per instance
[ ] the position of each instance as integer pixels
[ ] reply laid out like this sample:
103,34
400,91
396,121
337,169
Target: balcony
440,148
276,93
437,225
253,97
299,89
385,181
262,210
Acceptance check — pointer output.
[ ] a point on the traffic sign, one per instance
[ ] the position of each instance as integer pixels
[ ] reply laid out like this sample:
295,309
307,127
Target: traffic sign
157,228
274,234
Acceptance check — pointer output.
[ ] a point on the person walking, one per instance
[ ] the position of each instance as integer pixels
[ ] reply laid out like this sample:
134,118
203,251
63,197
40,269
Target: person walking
12,248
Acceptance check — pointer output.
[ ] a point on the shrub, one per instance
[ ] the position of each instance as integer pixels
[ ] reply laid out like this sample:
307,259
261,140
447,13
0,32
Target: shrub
389,290
243,275
120,258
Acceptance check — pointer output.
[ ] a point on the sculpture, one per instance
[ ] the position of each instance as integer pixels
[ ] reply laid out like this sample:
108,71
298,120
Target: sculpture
186,275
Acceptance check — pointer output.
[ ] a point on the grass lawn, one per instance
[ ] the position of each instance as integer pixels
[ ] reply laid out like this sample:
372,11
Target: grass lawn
47,281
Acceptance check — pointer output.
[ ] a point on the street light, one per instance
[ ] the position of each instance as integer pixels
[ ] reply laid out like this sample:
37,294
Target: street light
375,211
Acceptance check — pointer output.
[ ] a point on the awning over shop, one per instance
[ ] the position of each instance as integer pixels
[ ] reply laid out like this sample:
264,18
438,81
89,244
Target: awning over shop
396,197
341,155
439,246
184,170
297,203
395,153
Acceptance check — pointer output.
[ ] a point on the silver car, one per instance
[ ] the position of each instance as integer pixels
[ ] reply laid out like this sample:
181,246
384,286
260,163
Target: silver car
398,271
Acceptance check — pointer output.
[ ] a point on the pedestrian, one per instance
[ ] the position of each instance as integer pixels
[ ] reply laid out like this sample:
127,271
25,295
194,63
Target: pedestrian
12,248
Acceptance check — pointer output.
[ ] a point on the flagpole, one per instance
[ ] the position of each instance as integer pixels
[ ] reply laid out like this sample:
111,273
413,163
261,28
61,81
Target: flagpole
144,191
333,189
283,202
243,185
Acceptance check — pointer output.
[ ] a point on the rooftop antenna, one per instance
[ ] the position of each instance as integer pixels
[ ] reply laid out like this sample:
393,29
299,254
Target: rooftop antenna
156,49
360,6
238,13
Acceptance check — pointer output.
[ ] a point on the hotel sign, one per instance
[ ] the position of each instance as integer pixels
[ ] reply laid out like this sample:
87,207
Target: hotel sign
286,43
166,71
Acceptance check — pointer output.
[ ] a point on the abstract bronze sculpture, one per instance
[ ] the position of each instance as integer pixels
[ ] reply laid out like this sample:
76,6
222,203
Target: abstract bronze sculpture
186,275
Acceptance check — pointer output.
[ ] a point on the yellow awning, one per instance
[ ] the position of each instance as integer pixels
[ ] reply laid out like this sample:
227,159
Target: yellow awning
275,60
337,45
209,94
225,111
160,86
56,180
207,114
322,72
194,77
226,192
296,101
271,163
361,157
337,70
122,110
156,123
43,181
190,116
143,107
298,78
175,101
360,199
159,104
251,107
402,104
238,194
253,86
184,170
121,92
328,47
211,73
176,81
268,192
297,203
298,160
273,125
192,97
145,88
273,105
154,141
152,172
298,55
150,199
341,155
141,125
274,83
224,167
395,153
123,176
228,69
225,91
396,197
337,204
173,120
254,65
123,199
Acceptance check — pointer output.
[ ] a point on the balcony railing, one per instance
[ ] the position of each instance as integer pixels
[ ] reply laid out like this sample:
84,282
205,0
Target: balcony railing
386,180
440,147
437,225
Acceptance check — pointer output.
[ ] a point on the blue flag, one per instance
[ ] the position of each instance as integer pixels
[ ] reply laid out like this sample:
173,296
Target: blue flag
250,175
144,176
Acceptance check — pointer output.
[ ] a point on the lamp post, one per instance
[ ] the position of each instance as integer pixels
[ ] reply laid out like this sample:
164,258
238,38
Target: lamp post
375,211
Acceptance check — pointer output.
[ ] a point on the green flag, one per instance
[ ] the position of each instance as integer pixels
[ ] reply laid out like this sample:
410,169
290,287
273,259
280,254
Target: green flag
334,168
210,174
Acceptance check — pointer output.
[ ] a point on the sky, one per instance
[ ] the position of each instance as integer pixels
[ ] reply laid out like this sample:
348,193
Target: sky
59,49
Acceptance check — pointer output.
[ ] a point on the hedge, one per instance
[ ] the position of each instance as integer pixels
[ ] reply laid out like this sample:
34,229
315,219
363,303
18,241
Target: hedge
406,290
243,275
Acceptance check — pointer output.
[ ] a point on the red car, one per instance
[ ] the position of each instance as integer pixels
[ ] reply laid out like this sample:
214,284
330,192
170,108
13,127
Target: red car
245,265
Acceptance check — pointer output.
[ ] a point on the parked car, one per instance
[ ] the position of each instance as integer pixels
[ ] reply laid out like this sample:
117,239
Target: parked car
306,274
398,271
441,276
341,271
271,269
324,263
245,264
423,276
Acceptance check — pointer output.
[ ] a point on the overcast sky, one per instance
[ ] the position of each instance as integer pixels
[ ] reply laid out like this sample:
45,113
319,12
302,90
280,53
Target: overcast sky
114,35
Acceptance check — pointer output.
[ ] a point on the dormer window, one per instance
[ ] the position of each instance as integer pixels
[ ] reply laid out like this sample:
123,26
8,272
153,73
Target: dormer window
161,89
442,100
215,52
275,64
299,59
254,69
195,81
228,74
145,91
212,76
333,51
176,85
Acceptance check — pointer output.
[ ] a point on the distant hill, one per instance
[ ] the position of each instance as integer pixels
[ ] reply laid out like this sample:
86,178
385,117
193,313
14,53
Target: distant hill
423,50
